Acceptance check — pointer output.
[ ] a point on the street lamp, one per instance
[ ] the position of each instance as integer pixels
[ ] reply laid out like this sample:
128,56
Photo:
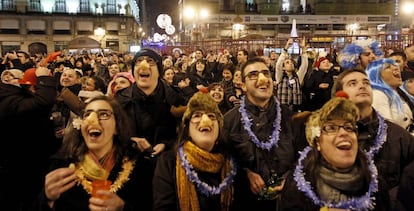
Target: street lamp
407,8
100,34
237,27
195,16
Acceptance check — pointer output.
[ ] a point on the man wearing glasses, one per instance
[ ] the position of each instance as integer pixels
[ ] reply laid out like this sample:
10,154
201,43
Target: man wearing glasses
261,132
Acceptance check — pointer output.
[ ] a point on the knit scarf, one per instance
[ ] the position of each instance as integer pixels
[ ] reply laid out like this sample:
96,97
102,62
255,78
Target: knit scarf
202,161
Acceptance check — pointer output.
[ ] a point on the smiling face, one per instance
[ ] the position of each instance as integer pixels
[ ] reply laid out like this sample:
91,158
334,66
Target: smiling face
204,129
69,77
146,74
338,148
217,92
259,90
113,69
98,127
169,75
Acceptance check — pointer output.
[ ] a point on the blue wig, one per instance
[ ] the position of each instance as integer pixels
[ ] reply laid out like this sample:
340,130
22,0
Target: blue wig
351,52
374,75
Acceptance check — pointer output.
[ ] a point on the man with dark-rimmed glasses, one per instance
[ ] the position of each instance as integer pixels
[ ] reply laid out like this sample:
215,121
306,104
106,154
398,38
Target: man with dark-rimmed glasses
261,132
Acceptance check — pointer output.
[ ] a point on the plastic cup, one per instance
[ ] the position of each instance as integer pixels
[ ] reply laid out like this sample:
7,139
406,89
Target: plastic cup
100,185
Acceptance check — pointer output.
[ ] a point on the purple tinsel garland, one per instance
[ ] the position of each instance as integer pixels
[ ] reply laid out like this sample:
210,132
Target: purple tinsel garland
203,187
365,202
247,124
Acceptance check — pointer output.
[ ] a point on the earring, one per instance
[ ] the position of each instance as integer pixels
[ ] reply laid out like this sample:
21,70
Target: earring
318,147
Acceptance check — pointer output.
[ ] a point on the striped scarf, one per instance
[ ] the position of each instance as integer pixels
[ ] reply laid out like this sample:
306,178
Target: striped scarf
203,161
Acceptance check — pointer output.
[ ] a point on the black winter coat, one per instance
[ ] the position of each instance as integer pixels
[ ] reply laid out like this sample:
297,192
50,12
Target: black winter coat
150,116
24,117
277,160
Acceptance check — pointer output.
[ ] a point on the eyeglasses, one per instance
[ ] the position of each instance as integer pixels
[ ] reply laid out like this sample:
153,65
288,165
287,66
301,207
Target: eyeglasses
196,117
254,75
102,114
150,60
331,129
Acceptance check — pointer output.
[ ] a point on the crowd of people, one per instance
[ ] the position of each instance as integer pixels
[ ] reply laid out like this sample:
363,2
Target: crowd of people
209,130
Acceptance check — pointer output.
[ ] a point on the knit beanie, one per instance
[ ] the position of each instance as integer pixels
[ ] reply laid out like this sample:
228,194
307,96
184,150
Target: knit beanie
202,101
339,107
152,54
126,75
17,74
320,60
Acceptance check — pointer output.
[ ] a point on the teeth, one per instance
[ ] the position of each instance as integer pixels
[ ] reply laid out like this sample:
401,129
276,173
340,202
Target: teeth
94,131
344,144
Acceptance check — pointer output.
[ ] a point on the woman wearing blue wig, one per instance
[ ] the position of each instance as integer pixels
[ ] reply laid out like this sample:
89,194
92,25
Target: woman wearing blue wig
385,77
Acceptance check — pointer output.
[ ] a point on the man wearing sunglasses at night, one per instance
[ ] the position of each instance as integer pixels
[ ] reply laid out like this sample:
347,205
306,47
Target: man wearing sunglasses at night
261,132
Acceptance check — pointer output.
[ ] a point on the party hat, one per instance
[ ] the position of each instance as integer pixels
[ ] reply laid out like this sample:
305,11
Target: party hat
294,33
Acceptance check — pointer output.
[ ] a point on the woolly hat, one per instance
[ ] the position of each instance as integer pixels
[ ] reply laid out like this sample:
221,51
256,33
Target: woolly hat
126,75
29,77
17,74
338,107
150,53
202,101
321,59
349,55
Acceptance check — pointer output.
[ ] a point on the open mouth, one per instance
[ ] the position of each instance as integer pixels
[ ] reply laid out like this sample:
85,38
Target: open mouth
144,75
204,129
94,133
345,145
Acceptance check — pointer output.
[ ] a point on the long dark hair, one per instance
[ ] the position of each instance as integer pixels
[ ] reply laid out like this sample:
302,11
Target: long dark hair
74,148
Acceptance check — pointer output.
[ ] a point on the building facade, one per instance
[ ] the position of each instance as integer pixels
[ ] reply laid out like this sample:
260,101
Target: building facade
42,26
323,22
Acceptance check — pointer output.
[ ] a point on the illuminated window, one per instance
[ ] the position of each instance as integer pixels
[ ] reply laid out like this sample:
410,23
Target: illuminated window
84,6
8,5
111,7
60,6
35,6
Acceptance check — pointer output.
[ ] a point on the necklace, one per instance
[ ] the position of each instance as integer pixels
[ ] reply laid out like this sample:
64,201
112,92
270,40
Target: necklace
364,202
123,177
203,187
381,136
247,124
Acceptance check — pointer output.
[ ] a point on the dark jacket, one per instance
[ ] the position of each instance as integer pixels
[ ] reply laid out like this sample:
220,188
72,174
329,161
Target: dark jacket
406,188
150,116
394,155
165,186
315,97
277,160
23,156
